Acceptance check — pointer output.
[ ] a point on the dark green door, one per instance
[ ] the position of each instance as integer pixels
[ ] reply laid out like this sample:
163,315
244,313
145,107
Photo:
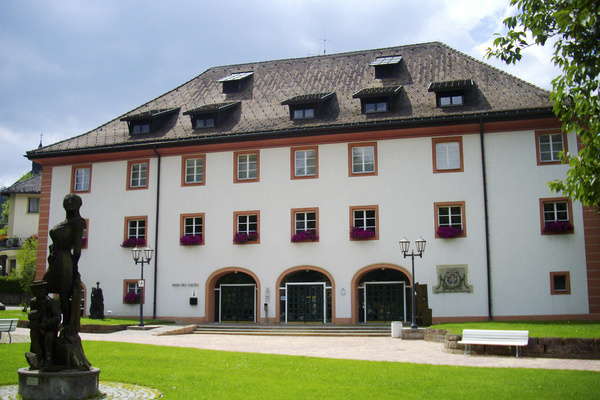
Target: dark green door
237,303
384,302
305,303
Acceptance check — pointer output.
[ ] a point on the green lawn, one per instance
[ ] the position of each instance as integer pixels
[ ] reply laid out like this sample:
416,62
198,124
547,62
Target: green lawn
182,373
88,321
562,329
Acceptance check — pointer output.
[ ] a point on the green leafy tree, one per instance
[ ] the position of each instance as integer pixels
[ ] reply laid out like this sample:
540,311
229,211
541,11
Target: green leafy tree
26,259
574,27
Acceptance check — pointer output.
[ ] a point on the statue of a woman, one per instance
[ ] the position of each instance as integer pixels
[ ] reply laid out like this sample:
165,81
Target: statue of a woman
62,275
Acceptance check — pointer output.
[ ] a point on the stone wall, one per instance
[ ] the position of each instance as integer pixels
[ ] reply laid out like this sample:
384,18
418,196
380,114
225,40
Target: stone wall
579,348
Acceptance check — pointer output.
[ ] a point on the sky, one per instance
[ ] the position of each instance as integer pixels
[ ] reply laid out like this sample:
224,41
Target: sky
69,66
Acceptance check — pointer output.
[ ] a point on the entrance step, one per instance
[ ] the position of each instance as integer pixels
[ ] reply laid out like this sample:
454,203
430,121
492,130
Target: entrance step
367,330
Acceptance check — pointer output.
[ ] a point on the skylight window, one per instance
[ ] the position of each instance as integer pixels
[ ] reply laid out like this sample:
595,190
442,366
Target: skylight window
235,82
386,67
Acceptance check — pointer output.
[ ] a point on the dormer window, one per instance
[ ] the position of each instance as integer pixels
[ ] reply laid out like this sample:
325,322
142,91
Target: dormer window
235,82
386,67
377,100
307,106
210,115
148,121
451,93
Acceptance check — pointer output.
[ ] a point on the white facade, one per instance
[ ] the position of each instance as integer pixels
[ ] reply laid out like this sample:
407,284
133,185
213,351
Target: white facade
404,191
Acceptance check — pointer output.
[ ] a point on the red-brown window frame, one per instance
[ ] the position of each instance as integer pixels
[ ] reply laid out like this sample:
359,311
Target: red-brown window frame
236,214
134,162
293,151
74,169
182,225
136,218
350,164
435,141
461,204
304,210
537,145
555,200
358,208
142,295
184,169
236,155
567,276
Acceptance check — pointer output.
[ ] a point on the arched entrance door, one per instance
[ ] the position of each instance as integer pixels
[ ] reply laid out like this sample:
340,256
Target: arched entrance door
305,296
235,298
383,295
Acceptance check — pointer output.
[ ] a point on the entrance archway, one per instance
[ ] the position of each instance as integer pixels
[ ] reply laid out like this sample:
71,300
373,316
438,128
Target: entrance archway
232,295
306,296
381,293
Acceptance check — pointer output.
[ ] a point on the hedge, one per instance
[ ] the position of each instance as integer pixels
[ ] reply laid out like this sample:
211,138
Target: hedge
10,284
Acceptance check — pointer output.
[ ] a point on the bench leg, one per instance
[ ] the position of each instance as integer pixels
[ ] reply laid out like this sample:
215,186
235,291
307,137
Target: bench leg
518,347
9,338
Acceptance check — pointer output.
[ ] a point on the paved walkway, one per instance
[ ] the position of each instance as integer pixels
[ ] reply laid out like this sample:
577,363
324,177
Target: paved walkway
355,348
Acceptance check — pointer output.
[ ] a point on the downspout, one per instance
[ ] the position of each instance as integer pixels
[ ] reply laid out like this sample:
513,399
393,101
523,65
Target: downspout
156,233
487,229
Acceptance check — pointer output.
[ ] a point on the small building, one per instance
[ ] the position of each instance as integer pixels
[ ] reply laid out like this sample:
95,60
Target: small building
23,220
278,191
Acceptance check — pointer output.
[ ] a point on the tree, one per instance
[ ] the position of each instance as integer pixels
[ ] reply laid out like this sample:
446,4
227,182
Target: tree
26,258
575,27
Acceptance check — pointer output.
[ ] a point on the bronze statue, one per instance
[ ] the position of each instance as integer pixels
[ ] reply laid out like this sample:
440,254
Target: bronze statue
62,278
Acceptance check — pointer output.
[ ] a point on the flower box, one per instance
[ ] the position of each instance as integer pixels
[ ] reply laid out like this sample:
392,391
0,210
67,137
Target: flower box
133,242
305,236
132,298
190,240
558,227
241,238
448,232
361,234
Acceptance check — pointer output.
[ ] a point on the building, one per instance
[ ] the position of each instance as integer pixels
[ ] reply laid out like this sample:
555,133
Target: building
279,191
23,220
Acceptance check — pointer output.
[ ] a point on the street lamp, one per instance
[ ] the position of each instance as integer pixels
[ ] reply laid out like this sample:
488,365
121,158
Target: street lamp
404,245
145,259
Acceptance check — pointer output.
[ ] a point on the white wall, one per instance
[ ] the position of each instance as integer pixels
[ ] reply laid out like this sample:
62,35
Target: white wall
405,190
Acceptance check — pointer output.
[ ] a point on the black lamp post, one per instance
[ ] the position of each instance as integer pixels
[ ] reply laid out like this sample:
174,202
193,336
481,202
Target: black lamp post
145,259
404,245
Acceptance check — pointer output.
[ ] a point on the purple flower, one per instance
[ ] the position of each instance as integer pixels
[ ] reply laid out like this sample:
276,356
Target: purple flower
361,234
190,240
132,298
558,227
305,236
241,238
132,242
448,232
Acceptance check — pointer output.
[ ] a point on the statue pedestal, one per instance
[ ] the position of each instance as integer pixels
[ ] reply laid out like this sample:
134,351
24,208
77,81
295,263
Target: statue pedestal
67,384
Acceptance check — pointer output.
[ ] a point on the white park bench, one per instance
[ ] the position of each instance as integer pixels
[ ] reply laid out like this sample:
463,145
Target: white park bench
494,338
8,326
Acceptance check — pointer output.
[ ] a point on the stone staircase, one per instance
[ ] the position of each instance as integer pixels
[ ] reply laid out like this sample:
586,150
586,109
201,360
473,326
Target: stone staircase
366,330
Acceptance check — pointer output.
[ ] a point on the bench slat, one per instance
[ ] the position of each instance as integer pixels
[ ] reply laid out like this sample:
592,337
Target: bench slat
494,338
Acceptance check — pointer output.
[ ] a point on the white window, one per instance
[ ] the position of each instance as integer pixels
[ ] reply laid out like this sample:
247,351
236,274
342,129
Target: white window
139,175
365,219
247,166
550,147
136,229
193,226
305,221
305,162
194,170
450,220
82,180
363,159
557,211
247,223
447,155
450,216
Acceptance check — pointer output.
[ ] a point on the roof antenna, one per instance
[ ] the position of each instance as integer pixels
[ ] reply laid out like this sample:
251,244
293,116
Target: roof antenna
41,136
324,40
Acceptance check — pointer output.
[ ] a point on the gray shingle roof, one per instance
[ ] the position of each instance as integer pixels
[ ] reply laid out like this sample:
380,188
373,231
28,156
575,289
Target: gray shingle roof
32,185
273,82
